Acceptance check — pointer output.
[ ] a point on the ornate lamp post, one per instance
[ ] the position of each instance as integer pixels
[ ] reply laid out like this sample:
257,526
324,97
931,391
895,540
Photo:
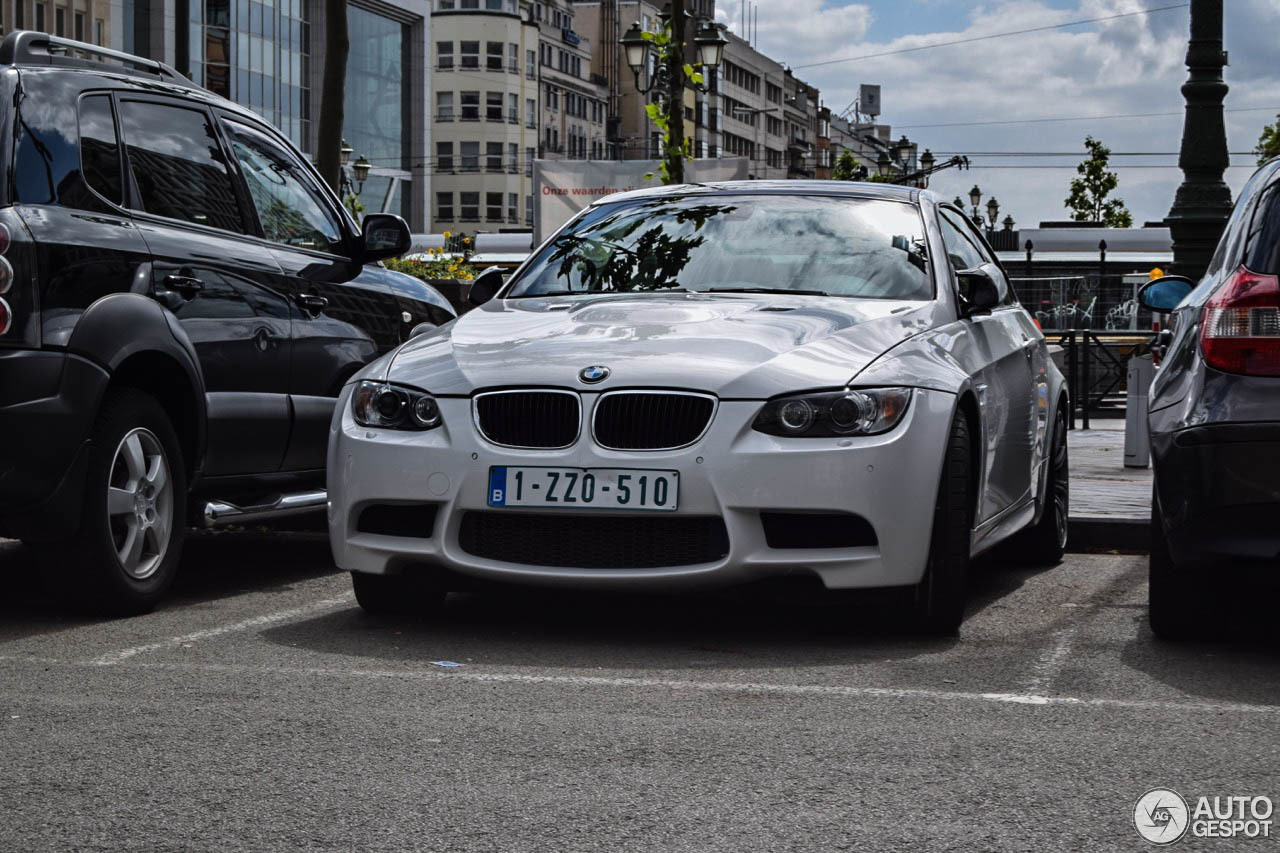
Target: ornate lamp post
1203,202
669,79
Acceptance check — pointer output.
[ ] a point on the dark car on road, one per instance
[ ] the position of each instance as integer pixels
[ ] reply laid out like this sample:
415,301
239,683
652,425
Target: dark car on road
1215,420
181,300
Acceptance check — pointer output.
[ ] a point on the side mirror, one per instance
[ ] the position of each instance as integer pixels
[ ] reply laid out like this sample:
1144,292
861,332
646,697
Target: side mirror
978,292
486,286
1165,293
385,236
421,329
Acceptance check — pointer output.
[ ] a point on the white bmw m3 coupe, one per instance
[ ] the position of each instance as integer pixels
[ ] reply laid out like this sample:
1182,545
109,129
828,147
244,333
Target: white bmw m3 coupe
709,385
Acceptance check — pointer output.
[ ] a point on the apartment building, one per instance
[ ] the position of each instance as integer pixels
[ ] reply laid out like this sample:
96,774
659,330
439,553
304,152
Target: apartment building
574,97
485,92
82,20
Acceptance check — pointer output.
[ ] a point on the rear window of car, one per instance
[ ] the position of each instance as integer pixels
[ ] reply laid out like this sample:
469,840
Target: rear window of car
1262,246
853,247
62,154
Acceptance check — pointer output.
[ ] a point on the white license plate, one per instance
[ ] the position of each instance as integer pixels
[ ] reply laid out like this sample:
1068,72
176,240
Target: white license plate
585,488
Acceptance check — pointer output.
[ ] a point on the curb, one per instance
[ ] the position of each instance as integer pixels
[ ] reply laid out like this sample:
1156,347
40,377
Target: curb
1124,534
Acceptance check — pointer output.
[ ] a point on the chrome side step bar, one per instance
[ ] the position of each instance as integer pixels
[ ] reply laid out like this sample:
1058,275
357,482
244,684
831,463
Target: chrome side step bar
217,513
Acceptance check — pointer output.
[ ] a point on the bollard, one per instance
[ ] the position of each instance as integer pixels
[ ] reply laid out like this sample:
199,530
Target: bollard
1137,445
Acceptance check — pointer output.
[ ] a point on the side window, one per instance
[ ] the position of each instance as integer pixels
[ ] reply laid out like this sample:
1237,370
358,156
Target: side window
289,207
178,165
1262,252
970,249
100,148
963,253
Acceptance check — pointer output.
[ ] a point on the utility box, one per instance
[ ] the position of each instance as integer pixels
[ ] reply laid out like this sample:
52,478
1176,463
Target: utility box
1137,442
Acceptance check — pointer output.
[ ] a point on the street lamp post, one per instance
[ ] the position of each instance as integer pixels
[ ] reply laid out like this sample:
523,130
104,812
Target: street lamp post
353,176
668,80
1203,202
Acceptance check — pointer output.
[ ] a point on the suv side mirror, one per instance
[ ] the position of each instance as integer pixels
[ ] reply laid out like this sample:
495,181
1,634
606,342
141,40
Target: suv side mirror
486,286
385,236
978,292
1165,293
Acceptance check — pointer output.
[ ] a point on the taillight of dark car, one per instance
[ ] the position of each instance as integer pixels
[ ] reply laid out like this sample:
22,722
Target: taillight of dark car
1240,332
18,325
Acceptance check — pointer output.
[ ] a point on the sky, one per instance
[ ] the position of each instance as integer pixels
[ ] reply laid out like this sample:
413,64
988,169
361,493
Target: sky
1119,67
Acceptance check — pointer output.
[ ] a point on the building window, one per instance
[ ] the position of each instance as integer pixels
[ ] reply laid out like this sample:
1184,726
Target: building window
99,32
444,106
470,106
493,106
444,5
444,55
493,56
529,155
470,206
530,64
79,26
444,157
493,156
531,112
513,58
528,210
470,156
60,21
513,157
513,108
493,207
470,51
40,18
513,204
444,207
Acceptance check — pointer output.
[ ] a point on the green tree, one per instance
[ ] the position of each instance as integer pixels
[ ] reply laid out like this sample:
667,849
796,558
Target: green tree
846,168
1269,142
668,114
1088,200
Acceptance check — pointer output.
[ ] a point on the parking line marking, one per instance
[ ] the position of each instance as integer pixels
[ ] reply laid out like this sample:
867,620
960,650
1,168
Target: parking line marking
117,657
830,690
1050,663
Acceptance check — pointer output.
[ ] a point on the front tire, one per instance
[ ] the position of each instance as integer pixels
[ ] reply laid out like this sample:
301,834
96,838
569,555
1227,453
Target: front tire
404,594
125,554
1046,542
940,596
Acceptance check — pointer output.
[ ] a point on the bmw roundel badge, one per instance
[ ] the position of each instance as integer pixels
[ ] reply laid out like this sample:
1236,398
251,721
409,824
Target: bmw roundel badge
594,373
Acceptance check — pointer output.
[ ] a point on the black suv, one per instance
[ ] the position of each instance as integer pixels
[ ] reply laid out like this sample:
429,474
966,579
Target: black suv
181,299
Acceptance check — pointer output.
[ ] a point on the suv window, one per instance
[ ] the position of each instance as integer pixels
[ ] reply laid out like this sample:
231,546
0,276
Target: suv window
290,209
100,148
48,166
178,165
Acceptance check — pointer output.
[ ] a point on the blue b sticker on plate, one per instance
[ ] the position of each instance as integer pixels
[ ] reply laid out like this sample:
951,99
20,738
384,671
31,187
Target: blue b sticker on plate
497,486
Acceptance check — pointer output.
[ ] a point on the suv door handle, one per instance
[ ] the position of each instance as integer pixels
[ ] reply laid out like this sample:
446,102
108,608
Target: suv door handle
187,285
313,304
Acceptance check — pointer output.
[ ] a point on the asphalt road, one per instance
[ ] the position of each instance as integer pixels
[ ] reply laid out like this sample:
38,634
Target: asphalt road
261,710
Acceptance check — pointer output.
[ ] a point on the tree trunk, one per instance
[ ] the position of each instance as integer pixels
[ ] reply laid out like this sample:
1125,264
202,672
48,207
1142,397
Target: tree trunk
332,94
675,94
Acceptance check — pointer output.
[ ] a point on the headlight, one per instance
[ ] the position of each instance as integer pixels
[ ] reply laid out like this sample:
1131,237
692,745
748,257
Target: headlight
377,404
864,411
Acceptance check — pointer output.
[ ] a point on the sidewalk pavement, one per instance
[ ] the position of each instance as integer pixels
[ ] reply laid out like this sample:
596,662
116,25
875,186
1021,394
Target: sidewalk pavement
1110,504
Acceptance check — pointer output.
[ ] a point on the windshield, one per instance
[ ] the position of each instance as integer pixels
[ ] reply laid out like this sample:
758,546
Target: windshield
864,248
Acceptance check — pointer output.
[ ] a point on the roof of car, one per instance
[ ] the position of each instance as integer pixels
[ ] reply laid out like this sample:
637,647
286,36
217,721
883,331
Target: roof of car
856,189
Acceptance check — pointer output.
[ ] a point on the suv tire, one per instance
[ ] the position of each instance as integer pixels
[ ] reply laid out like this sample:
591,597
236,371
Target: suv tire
132,525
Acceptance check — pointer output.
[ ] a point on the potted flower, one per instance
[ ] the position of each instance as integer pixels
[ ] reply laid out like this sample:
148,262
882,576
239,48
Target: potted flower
448,269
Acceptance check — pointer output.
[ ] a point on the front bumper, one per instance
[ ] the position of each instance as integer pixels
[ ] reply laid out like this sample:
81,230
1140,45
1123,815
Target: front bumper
1219,491
732,472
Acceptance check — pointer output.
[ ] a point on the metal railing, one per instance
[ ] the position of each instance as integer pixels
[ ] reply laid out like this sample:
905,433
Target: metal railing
1097,367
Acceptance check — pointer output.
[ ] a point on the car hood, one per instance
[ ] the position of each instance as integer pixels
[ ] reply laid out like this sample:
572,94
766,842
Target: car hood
746,346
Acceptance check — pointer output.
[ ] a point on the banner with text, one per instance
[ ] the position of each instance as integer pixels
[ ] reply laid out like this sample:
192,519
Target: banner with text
561,188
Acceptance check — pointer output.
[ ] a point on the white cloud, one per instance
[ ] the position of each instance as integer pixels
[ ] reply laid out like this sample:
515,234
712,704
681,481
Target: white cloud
1123,66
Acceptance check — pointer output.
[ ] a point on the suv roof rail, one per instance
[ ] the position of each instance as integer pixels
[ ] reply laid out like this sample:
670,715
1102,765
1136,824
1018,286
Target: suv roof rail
26,47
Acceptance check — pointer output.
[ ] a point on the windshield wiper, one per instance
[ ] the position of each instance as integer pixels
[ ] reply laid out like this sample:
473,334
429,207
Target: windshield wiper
765,290
600,292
